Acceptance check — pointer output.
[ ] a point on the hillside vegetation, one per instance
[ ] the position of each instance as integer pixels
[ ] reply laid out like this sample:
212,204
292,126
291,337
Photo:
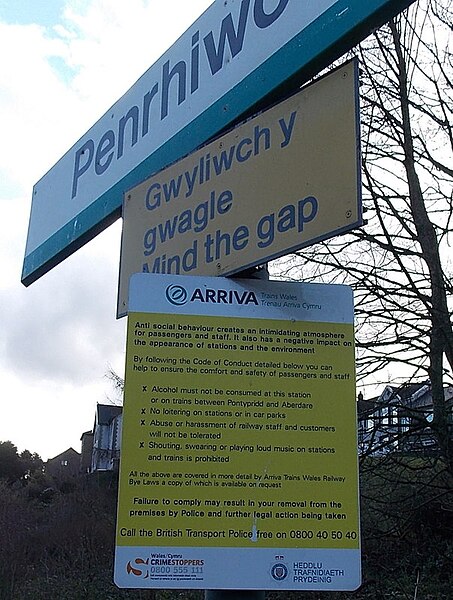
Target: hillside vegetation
57,538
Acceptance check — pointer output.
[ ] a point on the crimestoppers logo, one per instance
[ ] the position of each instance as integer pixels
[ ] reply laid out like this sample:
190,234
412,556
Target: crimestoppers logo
279,571
138,570
176,295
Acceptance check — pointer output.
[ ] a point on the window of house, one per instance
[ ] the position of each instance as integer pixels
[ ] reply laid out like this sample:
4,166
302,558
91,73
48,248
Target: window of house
383,416
405,423
389,416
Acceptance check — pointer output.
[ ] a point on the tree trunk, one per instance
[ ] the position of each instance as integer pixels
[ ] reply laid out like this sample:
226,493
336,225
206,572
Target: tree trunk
441,337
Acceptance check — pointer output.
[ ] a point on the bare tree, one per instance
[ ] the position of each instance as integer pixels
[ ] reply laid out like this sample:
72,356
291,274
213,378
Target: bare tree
399,264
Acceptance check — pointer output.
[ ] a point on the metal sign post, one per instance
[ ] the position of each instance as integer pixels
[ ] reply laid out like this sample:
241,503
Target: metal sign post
234,595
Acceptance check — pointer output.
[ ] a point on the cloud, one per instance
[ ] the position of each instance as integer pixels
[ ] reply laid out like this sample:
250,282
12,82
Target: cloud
55,83
60,335
32,122
63,327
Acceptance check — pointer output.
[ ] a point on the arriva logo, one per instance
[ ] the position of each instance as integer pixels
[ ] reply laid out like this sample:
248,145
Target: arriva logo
176,295
224,296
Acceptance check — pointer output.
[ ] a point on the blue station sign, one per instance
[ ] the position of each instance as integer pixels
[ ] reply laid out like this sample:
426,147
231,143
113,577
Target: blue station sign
237,57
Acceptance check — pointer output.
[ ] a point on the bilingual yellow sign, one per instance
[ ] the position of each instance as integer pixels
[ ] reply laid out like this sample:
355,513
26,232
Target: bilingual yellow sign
239,437
283,180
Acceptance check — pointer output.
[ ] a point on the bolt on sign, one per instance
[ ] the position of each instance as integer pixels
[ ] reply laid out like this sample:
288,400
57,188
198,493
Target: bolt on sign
239,442
237,55
283,180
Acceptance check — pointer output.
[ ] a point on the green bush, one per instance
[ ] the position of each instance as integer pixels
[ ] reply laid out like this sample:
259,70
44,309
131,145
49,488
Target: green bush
57,542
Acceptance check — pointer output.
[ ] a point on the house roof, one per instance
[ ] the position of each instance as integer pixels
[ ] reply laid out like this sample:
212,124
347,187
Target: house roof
407,390
366,407
65,454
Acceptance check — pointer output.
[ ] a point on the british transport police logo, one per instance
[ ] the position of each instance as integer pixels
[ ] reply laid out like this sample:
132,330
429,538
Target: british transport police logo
279,572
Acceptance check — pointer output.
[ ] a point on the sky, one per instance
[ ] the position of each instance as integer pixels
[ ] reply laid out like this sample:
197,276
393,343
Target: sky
63,64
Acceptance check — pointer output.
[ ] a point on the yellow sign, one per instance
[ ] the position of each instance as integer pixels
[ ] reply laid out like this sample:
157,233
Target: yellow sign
239,436
283,180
